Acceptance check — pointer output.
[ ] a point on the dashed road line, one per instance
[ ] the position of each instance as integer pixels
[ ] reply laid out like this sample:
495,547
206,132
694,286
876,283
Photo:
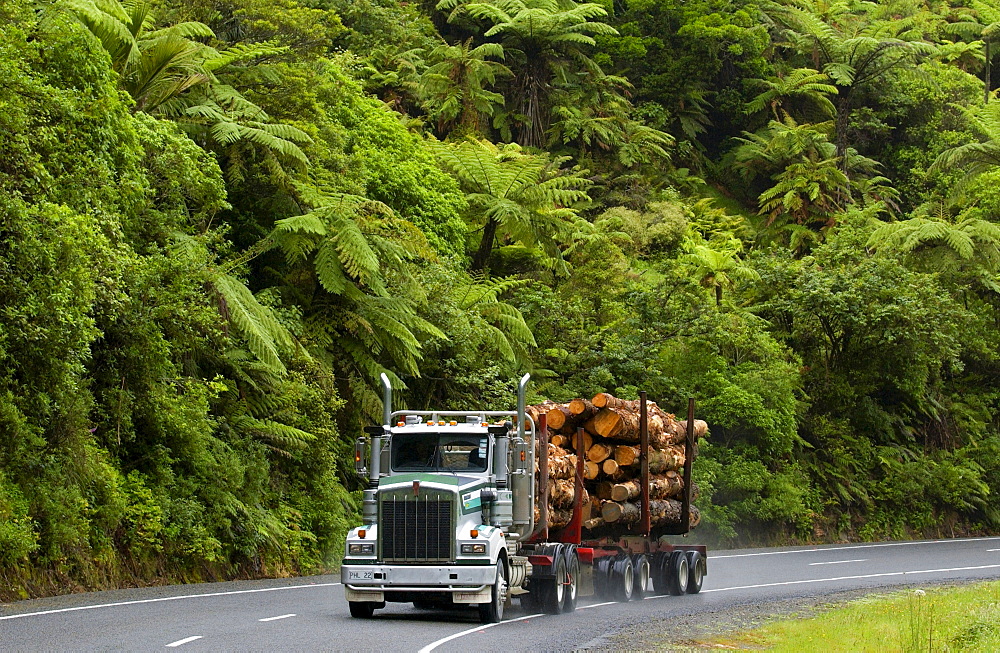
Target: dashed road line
284,616
184,641
836,562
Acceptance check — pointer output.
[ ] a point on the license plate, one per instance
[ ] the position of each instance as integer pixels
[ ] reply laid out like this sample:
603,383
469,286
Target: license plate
361,575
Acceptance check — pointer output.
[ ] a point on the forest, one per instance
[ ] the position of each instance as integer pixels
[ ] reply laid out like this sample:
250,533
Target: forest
221,220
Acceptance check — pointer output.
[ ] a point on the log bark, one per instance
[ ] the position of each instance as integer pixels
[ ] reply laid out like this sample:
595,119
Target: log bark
535,411
562,493
660,487
663,512
595,522
557,518
620,513
700,428
562,464
603,490
623,424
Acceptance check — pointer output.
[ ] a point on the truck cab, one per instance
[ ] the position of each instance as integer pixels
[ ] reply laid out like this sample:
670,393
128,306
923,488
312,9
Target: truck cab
439,527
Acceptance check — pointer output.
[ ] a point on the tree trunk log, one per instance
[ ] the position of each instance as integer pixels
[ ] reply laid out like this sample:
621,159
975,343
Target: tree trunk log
558,416
599,452
700,428
591,470
582,409
562,464
562,493
620,513
603,490
660,487
537,410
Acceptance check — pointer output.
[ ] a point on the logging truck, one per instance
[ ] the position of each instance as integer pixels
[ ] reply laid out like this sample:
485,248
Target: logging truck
460,507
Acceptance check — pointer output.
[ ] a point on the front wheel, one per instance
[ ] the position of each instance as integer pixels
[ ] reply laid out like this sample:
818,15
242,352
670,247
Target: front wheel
492,612
362,609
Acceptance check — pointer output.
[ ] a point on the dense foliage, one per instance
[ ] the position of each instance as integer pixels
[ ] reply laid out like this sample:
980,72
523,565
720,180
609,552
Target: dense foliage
221,220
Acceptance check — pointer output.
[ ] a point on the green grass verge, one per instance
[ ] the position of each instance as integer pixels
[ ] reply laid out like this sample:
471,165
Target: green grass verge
965,618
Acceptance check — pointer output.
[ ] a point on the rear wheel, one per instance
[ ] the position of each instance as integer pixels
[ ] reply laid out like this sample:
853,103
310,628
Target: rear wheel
658,570
677,573
572,580
697,567
361,609
603,572
640,564
553,591
492,612
623,578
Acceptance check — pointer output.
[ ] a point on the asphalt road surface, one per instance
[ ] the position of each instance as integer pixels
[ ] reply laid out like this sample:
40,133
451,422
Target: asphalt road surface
305,614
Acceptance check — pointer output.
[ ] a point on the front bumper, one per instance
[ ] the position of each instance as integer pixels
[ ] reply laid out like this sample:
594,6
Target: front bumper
417,578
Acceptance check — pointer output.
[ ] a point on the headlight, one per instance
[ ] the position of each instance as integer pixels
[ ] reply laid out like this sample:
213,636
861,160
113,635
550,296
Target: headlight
361,549
473,548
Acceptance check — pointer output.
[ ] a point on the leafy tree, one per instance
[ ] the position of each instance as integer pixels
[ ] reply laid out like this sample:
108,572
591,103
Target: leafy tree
455,85
526,198
546,41
717,269
854,43
802,86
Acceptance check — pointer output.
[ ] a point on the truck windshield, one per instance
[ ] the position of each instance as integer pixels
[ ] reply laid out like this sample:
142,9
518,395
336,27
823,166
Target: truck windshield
437,452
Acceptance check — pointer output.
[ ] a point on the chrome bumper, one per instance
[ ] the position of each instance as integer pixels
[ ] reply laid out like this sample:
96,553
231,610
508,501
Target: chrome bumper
417,578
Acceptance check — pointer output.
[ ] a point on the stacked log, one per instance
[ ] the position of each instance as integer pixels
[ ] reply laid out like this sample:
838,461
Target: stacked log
611,485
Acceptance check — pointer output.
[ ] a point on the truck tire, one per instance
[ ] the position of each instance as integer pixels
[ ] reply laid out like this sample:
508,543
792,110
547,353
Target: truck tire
603,572
640,563
362,609
658,570
678,573
697,567
553,591
572,584
529,601
492,612
623,579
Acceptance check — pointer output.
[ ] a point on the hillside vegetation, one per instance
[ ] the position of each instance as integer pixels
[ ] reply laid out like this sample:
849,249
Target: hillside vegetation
221,220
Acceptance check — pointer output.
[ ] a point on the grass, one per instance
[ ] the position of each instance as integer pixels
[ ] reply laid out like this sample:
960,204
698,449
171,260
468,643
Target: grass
965,618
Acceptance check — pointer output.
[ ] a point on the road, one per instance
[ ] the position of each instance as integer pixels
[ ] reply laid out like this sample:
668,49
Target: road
311,614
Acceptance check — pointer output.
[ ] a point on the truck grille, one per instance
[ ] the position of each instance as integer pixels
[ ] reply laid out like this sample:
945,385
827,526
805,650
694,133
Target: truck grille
417,529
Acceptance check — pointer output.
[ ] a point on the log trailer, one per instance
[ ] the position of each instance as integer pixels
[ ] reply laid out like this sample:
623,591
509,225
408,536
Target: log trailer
449,519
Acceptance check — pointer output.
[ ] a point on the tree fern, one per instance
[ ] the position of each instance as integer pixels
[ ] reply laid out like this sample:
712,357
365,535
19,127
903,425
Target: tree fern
516,196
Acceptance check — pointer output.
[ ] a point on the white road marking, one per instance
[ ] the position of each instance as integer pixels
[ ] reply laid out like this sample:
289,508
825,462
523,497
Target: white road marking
836,562
165,598
857,546
991,550
434,645
284,616
181,642
596,605
828,580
